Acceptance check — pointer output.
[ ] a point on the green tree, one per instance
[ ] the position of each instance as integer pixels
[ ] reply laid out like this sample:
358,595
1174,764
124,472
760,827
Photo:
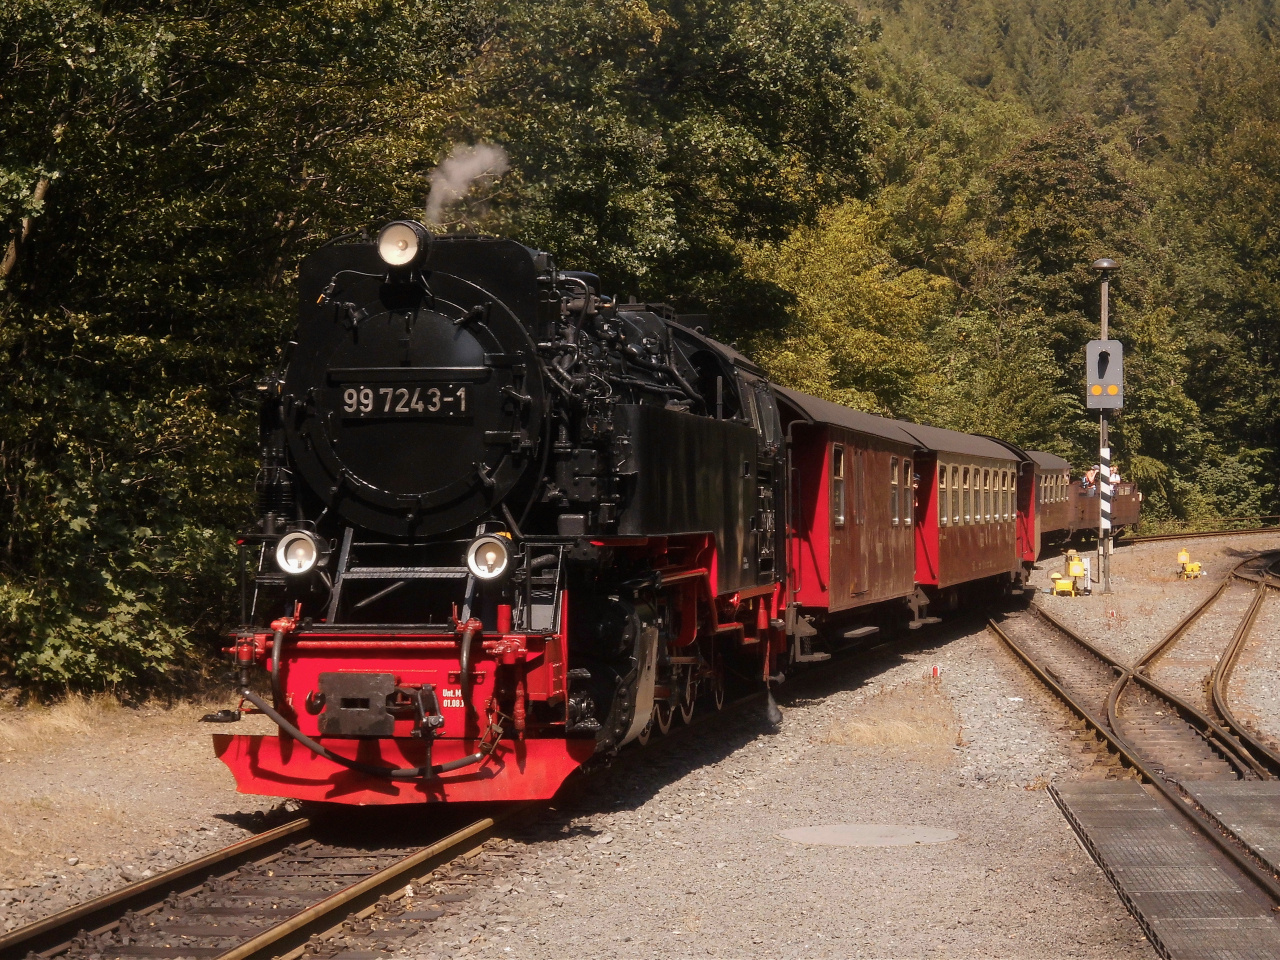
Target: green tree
160,169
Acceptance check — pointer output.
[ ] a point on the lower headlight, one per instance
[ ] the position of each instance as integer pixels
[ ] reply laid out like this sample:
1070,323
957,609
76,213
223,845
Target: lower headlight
488,557
299,552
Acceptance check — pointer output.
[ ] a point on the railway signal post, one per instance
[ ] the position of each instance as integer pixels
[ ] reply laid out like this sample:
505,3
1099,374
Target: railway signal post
1104,390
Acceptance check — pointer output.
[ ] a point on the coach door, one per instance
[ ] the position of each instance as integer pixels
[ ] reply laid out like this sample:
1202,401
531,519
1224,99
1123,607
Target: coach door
859,577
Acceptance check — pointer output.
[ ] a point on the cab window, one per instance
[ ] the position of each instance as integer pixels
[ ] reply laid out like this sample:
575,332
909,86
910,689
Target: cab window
768,414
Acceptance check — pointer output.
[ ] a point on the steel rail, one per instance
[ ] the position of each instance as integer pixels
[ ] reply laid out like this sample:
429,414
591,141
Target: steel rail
297,929
1221,680
1209,828
1196,535
56,930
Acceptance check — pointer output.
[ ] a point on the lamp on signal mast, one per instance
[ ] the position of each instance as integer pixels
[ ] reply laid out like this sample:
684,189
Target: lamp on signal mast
1105,267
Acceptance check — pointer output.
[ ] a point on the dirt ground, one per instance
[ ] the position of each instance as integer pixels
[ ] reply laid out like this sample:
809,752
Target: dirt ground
94,795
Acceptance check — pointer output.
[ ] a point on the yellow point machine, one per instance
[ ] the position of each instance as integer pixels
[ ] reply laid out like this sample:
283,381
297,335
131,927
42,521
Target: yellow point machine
1188,569
1076,578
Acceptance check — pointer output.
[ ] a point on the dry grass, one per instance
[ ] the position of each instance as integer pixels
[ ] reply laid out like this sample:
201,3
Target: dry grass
34,727
41,727
915,717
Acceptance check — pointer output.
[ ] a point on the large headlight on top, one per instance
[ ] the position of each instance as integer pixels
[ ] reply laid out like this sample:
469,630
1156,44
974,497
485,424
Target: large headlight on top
488,557
403,243
300,552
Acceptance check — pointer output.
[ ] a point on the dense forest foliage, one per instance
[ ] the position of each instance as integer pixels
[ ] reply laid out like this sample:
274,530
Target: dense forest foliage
893,204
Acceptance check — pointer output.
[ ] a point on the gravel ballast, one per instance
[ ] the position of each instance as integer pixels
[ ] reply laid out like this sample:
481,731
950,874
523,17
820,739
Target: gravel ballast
678,854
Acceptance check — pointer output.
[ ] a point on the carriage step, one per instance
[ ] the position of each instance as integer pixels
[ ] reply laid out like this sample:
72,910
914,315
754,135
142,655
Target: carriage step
917,624
857,633
817,656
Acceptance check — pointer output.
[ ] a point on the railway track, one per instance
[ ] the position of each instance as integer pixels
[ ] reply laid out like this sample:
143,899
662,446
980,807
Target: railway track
263,897
1198,534
1159,719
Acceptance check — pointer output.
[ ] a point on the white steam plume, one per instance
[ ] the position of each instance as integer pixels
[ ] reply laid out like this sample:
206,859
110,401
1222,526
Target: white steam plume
452,180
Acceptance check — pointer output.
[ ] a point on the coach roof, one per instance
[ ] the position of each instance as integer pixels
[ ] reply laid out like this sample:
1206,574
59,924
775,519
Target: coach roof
824,411
961,444
1047,461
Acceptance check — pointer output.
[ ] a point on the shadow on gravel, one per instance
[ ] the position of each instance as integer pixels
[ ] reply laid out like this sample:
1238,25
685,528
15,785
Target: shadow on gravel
638,775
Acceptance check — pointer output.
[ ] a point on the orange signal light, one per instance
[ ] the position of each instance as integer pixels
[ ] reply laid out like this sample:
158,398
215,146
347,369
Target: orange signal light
1112,390
1096,390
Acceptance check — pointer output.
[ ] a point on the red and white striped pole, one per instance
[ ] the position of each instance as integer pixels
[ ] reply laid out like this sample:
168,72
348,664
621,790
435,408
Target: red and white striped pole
1104,467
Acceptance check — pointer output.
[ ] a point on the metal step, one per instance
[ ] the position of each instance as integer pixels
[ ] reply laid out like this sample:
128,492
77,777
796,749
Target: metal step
917,624
404,573
857,633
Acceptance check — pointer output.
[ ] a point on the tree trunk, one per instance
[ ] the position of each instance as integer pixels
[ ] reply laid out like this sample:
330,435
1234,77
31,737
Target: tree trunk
10,262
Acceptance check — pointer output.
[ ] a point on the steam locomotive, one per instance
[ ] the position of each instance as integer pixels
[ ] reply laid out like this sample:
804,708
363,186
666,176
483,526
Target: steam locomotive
507,524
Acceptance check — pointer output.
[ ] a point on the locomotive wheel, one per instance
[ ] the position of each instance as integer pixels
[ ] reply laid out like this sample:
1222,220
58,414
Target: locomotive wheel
663,714
643,736
689,697
717,688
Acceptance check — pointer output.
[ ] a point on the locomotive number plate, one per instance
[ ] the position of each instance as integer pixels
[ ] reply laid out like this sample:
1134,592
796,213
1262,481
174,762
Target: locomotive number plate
404,400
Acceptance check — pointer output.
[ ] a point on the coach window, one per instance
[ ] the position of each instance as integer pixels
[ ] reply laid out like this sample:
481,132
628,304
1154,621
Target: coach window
859,488
893,489
944,504
1008,495
908,493
837,484
1002,504
955,496
968,514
